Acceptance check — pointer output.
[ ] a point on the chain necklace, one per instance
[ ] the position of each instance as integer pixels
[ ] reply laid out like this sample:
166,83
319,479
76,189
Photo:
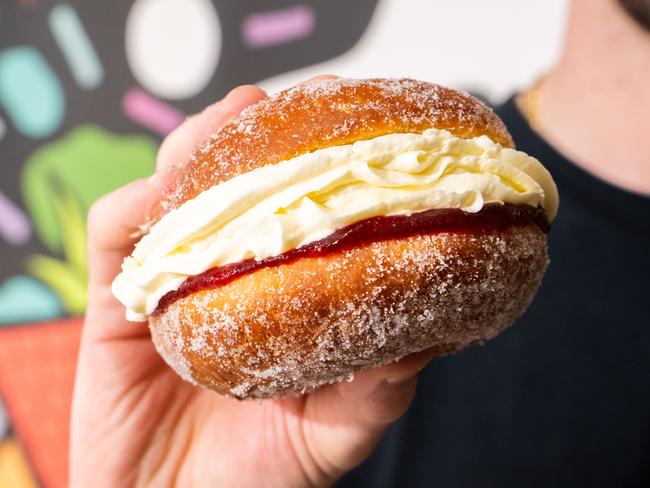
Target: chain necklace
530,102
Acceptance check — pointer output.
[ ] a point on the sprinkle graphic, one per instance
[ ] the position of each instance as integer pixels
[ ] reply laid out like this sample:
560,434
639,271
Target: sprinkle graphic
150,112
173,46
30,92
14,224
70,35
275,27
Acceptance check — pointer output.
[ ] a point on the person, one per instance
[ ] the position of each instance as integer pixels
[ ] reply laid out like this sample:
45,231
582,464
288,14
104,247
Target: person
561,399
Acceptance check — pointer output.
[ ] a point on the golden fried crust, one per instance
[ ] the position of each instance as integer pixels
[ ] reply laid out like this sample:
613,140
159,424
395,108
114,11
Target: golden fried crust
314,321
331,113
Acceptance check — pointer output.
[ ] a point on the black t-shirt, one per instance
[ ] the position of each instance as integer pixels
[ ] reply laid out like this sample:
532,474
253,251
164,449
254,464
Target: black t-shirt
563,397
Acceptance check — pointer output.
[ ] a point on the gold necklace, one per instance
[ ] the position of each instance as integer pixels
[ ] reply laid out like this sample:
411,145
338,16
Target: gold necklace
530,102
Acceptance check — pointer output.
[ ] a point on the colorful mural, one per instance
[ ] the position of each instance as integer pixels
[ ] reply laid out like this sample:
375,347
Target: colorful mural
87,91
60,181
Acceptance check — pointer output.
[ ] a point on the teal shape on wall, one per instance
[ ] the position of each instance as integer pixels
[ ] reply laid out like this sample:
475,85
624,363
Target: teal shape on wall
30,92
25,299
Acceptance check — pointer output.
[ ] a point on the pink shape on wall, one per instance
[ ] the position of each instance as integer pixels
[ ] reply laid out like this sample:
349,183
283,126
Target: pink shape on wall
150,112
263,29
28,3
14,224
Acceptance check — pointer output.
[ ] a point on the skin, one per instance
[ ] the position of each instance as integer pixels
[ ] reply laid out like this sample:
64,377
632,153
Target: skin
595,103
136,423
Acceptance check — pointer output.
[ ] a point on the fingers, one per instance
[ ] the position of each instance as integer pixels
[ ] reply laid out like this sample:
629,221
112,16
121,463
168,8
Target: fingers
348,419
378,397
178,145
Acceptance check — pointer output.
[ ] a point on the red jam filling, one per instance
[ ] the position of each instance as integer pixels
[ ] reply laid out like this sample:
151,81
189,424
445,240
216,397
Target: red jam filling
490,217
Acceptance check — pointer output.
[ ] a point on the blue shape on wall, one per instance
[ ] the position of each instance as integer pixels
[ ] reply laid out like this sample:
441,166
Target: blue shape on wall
24,299
31,93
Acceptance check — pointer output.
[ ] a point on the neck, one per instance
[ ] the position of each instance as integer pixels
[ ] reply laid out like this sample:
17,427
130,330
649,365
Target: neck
595,104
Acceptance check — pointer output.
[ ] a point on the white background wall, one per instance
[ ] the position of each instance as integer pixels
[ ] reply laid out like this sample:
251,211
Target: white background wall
492,47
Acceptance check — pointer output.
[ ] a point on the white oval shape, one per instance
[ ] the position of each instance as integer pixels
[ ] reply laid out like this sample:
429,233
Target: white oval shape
173,46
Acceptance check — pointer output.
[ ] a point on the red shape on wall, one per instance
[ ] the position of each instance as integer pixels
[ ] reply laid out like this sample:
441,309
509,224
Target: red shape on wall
37,368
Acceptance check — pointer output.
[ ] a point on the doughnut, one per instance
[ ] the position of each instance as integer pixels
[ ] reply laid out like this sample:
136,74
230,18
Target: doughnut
337,226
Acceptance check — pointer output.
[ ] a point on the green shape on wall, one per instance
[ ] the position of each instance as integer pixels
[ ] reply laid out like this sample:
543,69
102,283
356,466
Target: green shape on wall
60,183
86,163
67,277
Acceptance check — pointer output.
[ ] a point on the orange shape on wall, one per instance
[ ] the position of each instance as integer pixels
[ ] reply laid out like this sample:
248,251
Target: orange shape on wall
37,367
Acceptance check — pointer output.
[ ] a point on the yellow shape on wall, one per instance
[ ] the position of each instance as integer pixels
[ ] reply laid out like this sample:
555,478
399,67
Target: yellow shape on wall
14,468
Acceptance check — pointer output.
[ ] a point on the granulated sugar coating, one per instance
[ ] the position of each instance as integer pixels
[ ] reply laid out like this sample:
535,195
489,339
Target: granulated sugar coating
331,113
292,327
295,327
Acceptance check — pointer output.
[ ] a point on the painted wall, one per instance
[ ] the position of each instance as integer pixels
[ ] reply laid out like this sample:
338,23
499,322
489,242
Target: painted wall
89,88
493,47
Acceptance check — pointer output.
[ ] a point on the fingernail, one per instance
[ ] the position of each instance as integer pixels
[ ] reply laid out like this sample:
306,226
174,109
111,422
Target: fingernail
398,381
318,78
159,175
153,178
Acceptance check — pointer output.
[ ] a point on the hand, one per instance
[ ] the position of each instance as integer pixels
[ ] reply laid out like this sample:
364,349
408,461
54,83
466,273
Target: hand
135,422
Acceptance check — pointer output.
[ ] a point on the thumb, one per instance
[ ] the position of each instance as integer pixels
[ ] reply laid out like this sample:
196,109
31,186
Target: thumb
345,421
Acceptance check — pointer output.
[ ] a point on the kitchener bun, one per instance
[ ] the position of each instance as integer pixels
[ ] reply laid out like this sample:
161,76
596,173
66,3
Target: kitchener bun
315,320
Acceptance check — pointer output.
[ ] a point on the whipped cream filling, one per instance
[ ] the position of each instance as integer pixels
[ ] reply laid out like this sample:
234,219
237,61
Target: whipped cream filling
283,206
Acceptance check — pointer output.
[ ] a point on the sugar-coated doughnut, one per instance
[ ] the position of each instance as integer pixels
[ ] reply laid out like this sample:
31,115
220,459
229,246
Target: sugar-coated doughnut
338,226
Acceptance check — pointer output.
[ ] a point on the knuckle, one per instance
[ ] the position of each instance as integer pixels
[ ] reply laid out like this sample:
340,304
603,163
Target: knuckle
98,213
